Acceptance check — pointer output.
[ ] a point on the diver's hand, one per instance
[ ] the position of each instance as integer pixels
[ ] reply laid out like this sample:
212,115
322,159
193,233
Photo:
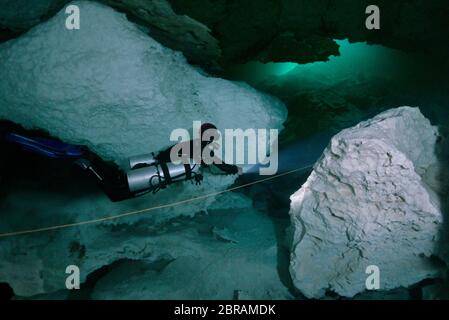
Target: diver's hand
239,171
198,178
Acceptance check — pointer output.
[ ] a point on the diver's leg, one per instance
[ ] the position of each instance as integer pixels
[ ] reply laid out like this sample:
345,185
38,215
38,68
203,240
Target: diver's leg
108,175
112,180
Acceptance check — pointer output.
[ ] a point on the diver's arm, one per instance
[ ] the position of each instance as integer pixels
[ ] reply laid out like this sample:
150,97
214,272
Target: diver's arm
223,166
228,168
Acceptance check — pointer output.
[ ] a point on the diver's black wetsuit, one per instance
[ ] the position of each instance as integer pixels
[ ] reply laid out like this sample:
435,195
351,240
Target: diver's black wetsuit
110,177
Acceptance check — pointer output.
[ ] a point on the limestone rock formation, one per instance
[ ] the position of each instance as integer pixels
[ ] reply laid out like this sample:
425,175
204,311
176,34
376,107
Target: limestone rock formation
83,85
368,202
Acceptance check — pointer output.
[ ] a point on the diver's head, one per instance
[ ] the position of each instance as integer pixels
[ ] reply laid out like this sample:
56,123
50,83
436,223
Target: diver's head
204,128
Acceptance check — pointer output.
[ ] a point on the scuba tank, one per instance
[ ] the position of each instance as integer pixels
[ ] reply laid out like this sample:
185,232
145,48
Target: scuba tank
146,174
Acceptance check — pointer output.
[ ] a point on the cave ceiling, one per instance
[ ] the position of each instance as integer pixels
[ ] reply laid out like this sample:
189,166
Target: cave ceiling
216,33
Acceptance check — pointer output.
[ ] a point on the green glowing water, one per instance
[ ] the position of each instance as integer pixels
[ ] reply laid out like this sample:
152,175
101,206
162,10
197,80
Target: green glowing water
355,59
357,84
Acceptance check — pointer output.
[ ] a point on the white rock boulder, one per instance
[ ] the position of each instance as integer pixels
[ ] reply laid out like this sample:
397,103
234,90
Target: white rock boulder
366,203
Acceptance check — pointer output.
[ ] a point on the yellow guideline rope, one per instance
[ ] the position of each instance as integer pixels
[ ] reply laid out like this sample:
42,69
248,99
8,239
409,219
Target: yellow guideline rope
75,224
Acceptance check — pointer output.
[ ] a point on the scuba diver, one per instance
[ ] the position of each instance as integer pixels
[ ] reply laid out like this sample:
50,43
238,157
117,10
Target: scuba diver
146,173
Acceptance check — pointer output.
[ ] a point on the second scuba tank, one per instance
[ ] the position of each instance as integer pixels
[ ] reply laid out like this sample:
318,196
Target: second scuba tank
146,174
